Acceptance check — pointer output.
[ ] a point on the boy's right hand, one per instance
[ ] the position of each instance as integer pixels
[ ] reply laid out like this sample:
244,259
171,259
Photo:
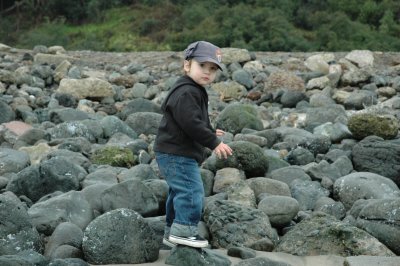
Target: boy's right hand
223,151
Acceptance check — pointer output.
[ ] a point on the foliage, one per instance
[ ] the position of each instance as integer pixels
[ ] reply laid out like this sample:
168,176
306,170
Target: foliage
262,25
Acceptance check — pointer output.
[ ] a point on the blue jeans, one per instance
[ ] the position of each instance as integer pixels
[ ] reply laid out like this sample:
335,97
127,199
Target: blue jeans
186,193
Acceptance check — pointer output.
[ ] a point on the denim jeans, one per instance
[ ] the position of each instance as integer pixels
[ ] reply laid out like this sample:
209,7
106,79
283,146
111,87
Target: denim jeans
186,193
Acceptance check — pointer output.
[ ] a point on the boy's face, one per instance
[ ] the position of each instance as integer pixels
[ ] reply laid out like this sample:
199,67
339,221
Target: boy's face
202,73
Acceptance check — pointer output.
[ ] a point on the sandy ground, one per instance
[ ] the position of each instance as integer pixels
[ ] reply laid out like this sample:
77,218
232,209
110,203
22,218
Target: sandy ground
321,260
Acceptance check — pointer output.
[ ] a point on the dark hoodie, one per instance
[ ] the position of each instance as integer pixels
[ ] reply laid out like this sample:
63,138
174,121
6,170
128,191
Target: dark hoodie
185,128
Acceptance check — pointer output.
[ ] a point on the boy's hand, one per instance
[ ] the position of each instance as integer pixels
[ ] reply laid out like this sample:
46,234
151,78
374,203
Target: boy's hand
223,151
219,132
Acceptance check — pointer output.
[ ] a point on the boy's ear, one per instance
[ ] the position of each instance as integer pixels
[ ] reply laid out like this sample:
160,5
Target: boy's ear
186,65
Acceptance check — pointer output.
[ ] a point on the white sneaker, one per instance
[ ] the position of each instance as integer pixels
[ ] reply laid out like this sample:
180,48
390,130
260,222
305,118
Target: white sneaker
192,241
168,243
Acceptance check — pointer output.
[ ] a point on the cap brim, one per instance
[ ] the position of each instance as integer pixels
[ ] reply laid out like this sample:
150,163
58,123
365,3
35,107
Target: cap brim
208,59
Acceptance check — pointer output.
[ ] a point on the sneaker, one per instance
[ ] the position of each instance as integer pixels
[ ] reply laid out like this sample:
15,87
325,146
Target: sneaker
168,243
193,241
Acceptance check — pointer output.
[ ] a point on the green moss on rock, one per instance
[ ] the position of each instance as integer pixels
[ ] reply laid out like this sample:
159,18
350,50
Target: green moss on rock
114,156
366,124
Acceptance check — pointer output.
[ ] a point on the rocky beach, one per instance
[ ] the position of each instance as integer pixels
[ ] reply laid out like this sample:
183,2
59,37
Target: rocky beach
314,178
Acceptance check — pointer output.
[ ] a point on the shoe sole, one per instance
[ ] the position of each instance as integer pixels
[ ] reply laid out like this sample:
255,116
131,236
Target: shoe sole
187,242
168,243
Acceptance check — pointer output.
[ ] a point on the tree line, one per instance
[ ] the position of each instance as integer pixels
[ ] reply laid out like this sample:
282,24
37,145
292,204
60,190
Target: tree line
257,25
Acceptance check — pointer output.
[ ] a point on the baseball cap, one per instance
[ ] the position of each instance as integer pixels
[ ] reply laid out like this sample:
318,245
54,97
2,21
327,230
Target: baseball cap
204,51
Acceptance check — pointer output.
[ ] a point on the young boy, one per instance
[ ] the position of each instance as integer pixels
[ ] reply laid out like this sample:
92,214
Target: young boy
183,134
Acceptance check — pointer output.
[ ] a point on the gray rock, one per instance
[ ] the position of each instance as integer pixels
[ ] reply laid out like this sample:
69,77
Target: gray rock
92,195
267,185
139,105
331,207
261,261
72,129
291,98
280,209
17,233
67,207
55,174
335,131
86,87
321,100
7,114
112,125
67,251
258,140
289,174
224,217
363,185
226,177
12,161
104,175
300,156
72,157
323,234
243,77
307,193
358,99
355,76
207,177
160,190
132,194
138,172
332,171
58,116
68,262
373,154
65,234
381,218
334,154
241,252
183,255
31,136
26,257
144,122
120,236
320,115
241,193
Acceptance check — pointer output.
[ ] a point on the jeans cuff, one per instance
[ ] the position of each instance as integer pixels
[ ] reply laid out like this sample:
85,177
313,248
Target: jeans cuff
184,230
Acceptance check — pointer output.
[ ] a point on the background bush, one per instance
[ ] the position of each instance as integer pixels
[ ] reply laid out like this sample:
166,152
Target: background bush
257,25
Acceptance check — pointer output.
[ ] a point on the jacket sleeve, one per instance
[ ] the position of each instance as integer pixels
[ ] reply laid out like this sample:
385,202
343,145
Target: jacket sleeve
189,116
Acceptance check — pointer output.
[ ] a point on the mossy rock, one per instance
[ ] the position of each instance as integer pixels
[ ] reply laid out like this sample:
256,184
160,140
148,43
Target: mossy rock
114,156
246,156
367,124
237,116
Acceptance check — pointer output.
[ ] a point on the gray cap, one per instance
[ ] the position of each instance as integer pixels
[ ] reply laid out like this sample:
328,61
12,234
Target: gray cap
204,51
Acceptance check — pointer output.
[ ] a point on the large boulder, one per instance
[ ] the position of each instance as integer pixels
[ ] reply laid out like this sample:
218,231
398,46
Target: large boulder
120,236
67,207
55,174
183,255
373,154
17,233
246,156
234,224
363,185
324,235
381,218
237,116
